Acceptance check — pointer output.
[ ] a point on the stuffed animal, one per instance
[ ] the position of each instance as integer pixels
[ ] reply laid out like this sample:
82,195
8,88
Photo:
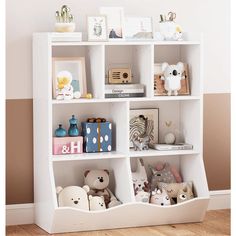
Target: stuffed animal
164,172
140,181
98,181
160,197
142,196
172,76
96,203
64,89
73,196
173,189
185,194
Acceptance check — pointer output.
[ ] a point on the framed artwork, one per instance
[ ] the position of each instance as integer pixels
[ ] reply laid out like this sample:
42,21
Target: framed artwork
143,121
97,28
159,89
115,21
68,74
138,28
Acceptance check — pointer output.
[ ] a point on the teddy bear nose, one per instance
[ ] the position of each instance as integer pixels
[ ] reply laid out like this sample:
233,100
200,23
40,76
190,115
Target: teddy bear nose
175,72
101,180
162,204
139,185
75,202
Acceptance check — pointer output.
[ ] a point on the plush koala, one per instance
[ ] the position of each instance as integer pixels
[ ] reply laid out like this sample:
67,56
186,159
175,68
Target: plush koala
73,196
160,197
98,181
172,75
185,194
96,203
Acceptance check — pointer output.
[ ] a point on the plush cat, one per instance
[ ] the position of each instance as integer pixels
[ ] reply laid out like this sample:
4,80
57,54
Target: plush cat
185,194
173,189
164,172
160,197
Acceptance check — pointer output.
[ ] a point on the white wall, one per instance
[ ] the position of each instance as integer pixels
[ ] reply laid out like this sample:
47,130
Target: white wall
27,16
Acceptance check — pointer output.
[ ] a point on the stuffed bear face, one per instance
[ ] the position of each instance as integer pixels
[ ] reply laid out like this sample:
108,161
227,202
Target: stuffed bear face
97,179
73,196
96,203
185,194
172,70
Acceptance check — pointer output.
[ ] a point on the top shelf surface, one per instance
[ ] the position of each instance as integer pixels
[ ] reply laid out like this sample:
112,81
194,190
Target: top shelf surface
74,39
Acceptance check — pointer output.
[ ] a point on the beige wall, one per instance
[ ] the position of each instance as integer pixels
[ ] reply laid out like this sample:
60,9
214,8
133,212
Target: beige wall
20,152
25,17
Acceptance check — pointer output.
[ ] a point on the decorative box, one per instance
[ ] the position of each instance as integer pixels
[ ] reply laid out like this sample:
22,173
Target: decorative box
67,145
97,136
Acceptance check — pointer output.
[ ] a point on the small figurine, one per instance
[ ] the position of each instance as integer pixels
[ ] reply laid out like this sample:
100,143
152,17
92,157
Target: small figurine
64,89
141,143
60,132
73,130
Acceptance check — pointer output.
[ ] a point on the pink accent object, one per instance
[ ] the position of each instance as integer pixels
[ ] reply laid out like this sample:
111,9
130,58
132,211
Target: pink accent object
67,145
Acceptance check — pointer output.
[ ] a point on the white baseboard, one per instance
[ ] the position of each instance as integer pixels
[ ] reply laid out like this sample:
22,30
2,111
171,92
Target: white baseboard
219,200
19,214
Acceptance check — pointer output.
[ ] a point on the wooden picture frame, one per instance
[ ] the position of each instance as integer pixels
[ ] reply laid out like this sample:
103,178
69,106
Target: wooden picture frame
97,28
76,67
159,89
151,114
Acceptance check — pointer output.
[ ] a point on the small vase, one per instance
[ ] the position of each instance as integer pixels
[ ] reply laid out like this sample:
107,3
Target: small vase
60,132
73,130
65,27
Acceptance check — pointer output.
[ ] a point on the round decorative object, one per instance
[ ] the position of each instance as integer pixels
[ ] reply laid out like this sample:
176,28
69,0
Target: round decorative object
60,132
88,95
170,138
77,94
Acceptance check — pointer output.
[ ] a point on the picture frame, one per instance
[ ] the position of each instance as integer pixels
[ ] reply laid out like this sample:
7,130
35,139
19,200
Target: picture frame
115,22
136,128
97,28
138,28
75,67
159,89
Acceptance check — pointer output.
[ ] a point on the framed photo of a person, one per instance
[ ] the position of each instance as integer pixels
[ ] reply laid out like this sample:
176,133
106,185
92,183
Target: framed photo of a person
68,77
159,89
97,28
115,22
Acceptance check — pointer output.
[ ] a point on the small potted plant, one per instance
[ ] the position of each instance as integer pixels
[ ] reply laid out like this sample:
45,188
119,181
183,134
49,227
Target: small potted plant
64,20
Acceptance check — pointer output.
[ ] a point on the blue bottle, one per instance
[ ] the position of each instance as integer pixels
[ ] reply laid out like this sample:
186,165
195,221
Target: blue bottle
60,132
73,130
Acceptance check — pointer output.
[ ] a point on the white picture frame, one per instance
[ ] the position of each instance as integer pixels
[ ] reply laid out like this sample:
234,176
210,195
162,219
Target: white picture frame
97,28
115,22
138,28
151,114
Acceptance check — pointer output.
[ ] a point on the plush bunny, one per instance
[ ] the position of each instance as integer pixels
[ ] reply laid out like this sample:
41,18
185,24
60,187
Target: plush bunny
172,76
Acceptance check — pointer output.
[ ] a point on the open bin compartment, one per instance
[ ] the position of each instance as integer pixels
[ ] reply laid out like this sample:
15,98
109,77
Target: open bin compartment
190,54
94,64
138,58
182,114
69,173
115,112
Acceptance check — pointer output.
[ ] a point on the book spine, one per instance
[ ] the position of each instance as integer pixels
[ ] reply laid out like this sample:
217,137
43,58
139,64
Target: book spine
123,95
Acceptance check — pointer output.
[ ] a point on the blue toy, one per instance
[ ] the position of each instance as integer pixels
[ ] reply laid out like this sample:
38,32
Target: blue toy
73,130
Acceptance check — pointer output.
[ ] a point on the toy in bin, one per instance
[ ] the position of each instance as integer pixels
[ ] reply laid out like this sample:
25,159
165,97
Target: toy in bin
97,134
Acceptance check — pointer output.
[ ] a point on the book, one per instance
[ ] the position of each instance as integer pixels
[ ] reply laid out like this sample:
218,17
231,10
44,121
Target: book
171,147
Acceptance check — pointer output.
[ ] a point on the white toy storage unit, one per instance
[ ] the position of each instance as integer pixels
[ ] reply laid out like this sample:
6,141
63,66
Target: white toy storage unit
185,111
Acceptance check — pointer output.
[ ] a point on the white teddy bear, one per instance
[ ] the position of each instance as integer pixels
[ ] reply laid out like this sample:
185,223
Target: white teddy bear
172,75
73,196
96,203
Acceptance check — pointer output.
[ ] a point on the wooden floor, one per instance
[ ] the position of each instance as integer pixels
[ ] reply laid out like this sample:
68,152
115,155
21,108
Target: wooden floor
215,223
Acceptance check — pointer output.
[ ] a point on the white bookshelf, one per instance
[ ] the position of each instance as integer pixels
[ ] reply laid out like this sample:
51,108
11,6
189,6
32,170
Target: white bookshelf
53,170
